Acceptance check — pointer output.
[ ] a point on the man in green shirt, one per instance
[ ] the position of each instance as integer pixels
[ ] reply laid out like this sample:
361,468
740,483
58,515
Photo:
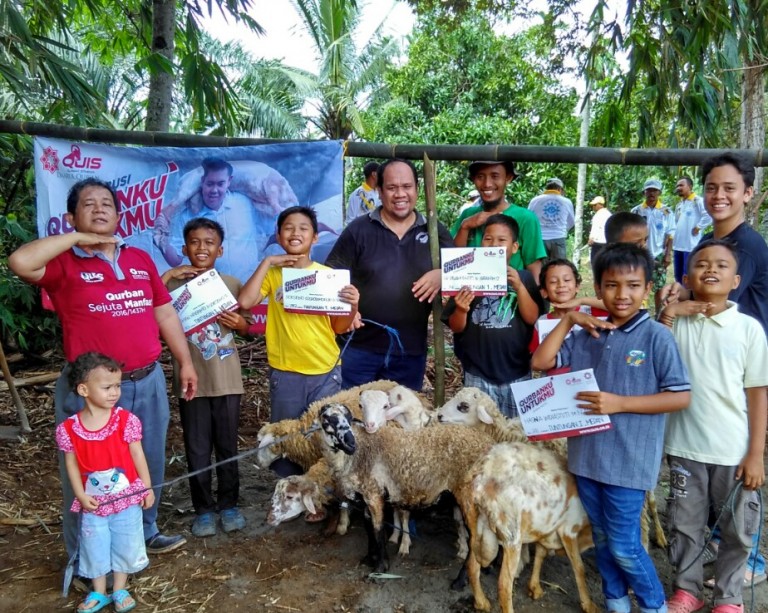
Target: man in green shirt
491,179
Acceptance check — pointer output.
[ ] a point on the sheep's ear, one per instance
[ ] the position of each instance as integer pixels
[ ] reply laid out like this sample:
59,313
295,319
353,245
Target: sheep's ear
358,422
393,412
483,415
308,503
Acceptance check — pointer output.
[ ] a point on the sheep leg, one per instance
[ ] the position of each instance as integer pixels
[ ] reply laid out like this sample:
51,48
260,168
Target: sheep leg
510,560
534,585
397,526
405,534
653,510
377,538
462,537
473,564
573,551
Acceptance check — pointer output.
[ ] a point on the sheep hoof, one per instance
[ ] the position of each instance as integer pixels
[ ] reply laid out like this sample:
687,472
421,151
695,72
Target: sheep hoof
535,591
482,605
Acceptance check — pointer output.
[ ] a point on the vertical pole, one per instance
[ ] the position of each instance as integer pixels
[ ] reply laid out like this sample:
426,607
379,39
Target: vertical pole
581,185
438,337
23,421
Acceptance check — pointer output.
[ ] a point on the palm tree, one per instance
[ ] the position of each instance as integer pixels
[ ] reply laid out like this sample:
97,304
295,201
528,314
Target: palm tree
345,75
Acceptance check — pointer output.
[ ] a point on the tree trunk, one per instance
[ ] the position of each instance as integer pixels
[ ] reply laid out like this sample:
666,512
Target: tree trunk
160,99
752,128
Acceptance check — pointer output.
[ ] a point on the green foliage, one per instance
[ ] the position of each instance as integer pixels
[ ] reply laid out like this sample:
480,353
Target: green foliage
470,85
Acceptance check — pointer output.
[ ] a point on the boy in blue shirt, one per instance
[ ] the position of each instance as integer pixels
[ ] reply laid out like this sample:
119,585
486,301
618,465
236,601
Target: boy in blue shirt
641,377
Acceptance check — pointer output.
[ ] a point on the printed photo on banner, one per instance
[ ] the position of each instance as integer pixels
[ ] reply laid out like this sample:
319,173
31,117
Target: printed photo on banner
481,269
548,407
160,189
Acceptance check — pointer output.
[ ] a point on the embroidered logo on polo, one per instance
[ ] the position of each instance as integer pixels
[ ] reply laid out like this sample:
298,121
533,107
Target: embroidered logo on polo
92,277
422,237
635,357
139,275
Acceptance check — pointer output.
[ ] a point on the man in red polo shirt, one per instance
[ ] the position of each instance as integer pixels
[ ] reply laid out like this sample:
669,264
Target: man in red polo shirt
110,298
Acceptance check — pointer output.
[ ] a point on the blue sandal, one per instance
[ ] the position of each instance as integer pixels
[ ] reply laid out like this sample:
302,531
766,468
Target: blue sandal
100,599
119,597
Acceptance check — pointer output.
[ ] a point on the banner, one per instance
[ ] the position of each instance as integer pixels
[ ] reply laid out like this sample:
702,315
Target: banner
159,189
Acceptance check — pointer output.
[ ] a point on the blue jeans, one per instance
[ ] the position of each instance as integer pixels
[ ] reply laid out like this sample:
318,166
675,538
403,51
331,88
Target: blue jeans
359,367
623,563
148,400
680,262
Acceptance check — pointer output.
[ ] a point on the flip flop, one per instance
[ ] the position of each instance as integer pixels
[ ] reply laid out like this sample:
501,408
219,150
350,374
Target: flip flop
759,578
119,598
100,599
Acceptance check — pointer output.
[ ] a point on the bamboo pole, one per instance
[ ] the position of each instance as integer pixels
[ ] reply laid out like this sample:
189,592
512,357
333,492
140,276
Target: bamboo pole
438,336
23,421
514,153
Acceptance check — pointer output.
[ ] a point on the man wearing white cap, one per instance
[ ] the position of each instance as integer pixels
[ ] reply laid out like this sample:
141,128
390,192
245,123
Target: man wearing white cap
691,219
597,229
661,231
555,213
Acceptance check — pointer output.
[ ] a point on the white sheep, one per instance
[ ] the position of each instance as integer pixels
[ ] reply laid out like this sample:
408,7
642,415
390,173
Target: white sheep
403,406
473,407
518,494
409,468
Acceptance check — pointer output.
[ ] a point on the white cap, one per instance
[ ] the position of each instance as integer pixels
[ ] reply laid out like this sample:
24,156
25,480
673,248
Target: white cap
652,184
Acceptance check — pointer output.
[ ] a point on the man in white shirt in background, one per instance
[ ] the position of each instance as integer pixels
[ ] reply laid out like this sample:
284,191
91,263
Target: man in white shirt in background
366,197
597,229
691,219
555,213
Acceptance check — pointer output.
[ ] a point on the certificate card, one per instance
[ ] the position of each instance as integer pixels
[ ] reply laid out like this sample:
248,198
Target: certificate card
548,406
314,291
482,269
201,300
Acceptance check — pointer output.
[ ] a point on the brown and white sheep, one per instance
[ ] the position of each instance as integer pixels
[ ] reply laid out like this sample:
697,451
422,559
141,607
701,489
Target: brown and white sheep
409,468
518,494
473,407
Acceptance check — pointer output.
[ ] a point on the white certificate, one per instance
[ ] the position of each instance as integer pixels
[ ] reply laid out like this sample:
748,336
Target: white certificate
315,291
548,406
201,300
482,269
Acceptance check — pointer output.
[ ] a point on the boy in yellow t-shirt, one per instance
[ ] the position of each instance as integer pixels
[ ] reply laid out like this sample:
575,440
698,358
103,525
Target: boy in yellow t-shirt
301,348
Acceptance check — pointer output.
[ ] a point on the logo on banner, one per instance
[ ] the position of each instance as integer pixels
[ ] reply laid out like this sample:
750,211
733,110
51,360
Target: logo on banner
76,159
50,159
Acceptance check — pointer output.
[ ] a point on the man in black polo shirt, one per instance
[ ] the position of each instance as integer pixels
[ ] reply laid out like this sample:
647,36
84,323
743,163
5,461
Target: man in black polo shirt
387,253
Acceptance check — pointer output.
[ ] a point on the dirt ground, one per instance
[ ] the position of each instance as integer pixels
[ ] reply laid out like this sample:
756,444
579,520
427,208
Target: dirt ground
291,568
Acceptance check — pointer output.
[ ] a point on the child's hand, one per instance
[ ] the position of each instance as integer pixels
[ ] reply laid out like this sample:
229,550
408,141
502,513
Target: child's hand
184,271
283,260
88,502
513,279
670,294
574,303
599,403
149,500
751,471
687,308
427,286
350,295
590,323
234,321
464,299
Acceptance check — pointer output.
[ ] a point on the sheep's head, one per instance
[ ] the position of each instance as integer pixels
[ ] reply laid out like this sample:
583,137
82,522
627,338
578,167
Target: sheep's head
336,424
292,496
374,405
269,450
470,406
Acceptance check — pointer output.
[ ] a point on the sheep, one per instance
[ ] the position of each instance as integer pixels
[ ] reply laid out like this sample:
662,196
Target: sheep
518,494
287,438
404,407
409,468
472,407
299,493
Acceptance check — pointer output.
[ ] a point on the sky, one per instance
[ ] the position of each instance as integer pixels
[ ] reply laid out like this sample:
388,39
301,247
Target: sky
285,40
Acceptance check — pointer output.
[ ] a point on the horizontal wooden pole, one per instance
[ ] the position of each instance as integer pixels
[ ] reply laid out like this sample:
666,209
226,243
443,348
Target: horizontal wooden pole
514,153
